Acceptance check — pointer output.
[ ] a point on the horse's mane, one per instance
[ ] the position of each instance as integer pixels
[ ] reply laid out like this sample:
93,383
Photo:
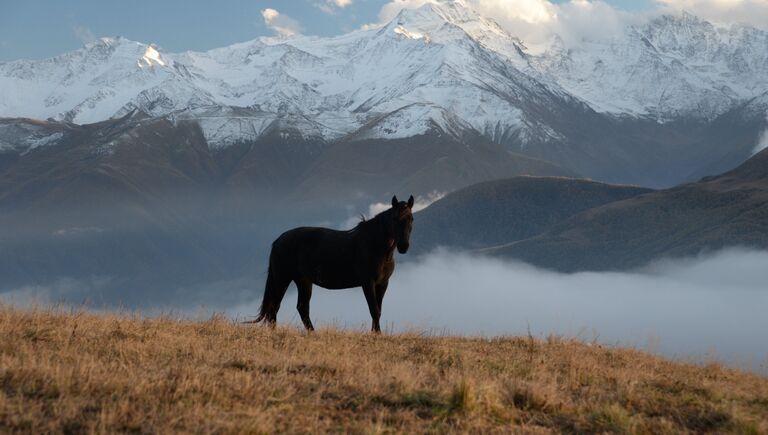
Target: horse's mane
366,223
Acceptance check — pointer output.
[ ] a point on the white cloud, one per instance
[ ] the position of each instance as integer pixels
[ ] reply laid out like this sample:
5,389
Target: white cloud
391,9
332,6
503,11
328,9
762,142
84,34
535,21
582,19
281,24
420,203
528,11
753,12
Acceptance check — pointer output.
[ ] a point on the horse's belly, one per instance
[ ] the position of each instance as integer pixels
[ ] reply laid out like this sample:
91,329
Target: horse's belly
333,283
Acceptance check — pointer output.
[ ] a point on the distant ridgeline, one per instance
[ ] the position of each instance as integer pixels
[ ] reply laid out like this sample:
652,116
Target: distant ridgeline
573,225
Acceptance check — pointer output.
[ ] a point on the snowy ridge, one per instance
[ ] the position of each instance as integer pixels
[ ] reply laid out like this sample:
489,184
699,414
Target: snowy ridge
439,66
669,67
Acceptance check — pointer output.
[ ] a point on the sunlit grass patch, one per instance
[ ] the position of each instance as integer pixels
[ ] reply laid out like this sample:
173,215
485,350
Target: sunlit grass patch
70,371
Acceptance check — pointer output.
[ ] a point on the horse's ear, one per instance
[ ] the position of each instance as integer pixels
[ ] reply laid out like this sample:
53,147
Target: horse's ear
410,202
394,201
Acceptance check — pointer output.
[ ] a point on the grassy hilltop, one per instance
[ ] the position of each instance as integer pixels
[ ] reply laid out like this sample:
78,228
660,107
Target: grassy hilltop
77,372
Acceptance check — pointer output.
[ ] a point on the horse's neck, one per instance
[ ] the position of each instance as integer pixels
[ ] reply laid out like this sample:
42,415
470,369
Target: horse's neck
376,232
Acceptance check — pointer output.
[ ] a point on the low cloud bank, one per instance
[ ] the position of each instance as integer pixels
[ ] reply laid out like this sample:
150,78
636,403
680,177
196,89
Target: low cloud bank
712,306
762,141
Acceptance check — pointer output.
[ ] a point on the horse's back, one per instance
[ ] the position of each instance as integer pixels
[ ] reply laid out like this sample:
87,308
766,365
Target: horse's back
308,237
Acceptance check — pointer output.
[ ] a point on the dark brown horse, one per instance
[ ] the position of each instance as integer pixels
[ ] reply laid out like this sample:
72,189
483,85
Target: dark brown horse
361,257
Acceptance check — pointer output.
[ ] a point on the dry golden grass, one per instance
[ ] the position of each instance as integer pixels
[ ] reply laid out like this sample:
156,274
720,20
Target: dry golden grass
77,372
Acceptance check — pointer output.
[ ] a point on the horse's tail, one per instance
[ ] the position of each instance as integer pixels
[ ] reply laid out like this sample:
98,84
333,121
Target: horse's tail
272,295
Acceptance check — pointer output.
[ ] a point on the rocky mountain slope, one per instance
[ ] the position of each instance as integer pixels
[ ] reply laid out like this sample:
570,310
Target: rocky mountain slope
153,161
729,210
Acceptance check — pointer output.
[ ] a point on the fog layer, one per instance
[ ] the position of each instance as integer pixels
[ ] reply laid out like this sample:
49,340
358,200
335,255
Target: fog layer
712,306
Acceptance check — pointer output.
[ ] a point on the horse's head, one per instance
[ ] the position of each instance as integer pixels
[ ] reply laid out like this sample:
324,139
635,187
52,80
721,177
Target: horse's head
402,223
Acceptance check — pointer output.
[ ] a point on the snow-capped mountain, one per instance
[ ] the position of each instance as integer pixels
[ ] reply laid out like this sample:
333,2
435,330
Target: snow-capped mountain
655,104
439,65
421,69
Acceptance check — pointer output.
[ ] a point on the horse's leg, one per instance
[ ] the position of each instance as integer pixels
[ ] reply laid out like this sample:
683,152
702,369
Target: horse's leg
305,294
380,290
369,290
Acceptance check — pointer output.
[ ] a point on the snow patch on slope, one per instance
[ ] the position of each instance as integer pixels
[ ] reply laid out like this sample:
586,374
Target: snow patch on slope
23,137
414,120
400,30
151,58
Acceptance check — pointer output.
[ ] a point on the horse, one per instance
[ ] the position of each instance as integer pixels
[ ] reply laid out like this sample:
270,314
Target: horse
360,257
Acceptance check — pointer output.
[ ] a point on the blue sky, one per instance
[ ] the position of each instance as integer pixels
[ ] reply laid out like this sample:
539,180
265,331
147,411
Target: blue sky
43,28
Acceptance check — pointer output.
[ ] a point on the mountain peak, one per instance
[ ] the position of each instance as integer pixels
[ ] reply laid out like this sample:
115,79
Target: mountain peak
685,20
110,45
447,20
145,55
687,16
108,41
451,11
